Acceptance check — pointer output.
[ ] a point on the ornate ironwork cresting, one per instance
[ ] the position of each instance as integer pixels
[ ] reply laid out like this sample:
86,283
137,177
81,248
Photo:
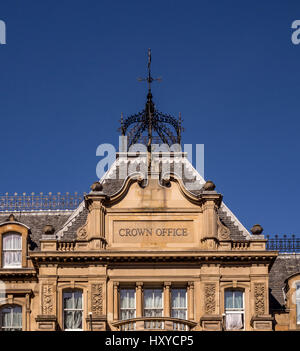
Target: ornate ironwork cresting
39,202
150,125
284,243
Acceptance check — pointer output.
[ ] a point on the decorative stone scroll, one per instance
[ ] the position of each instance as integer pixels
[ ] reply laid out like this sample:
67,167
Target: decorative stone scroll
97,299
210,298
47,300
259,298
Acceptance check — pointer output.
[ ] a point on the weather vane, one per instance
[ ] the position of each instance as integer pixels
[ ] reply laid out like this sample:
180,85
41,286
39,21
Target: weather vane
140,127
149,79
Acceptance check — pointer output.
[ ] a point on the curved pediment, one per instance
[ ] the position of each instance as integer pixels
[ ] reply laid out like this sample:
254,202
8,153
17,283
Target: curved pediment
138,192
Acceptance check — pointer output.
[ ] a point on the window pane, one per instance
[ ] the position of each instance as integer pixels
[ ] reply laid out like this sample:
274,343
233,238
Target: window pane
158,298
234,321
238,299
228,299
12,242
127,298
298,311
148,298
178,298
68,301
77,296
68,320
77,323
73,309
11,318
298,291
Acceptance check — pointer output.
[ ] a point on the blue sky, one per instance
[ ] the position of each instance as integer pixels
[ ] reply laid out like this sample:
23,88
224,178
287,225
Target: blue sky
69,69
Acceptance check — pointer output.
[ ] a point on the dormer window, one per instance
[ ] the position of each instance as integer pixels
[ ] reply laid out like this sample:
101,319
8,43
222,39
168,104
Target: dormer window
12,250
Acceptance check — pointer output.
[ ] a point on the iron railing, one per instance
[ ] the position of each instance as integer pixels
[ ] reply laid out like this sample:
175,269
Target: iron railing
289,244
39,202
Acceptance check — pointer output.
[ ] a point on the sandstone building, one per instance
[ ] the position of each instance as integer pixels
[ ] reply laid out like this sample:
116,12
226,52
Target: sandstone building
150,251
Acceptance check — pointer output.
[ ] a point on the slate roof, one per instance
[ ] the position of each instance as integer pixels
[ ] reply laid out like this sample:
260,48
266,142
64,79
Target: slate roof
36,222
66,222
191,178
284,266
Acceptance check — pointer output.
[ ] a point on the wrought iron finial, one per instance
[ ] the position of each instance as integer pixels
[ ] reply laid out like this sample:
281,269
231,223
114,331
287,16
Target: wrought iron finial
149,78
150,125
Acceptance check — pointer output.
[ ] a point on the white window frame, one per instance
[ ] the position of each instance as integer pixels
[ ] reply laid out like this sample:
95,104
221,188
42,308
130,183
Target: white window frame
128,308
155,308
180,308
19,265
235,310
11,307
73,309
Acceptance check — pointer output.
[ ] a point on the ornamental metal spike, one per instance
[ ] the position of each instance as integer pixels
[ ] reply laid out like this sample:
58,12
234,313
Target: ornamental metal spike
150,121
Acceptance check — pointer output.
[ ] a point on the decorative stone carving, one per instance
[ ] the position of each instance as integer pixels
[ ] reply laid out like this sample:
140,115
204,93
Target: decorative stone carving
82,232
209,244
259,298
97,299
223,231
210,298
47,300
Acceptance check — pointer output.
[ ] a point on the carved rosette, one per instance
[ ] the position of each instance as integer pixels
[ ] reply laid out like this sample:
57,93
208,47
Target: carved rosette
210,298
47,300
223,231
97,299
82,232
259,298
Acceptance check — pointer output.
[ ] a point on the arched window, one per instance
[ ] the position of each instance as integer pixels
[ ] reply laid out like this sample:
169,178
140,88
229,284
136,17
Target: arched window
234,309
12,250
73,309
11,318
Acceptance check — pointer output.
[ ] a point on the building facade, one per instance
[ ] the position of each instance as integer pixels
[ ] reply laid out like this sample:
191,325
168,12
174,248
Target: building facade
142,254
152,246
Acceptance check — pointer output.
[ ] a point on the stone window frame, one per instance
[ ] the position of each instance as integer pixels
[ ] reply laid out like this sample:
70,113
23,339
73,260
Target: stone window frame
11,306
60,303
22,301
245,287
15,228
290,289
166,288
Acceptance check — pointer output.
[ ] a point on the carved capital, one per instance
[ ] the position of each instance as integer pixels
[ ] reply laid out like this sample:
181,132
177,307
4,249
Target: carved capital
191,285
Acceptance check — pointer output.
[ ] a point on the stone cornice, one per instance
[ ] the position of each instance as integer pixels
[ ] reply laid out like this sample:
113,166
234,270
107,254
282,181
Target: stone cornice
202,257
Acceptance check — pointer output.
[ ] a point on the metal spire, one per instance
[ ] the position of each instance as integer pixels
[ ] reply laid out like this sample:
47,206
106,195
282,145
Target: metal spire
151,125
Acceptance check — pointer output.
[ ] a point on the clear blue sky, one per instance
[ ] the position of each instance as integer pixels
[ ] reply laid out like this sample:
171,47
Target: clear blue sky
69,69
